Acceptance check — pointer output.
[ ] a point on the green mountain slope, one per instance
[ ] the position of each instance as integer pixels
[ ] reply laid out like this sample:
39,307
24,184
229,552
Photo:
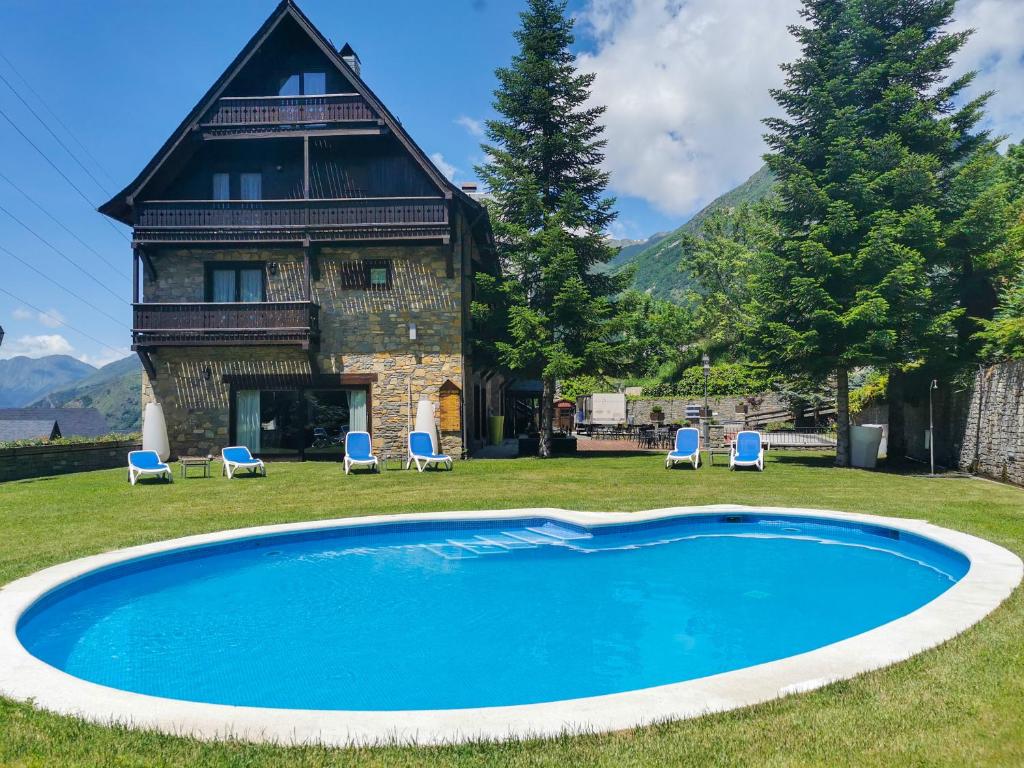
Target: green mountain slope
114,390
657,264
24,379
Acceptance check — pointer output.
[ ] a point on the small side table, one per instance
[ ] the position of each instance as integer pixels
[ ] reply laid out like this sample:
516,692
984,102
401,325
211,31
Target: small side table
720,451
195,461
391,461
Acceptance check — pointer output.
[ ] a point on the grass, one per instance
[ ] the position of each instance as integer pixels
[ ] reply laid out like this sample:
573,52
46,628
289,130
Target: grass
960,704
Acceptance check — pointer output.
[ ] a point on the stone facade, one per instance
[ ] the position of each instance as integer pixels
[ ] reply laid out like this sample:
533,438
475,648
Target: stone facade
993,442
363,331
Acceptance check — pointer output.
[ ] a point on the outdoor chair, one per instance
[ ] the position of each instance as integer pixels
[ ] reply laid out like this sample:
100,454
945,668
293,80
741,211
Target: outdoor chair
747,451
358,452
421,452
142,463
238,457
687,448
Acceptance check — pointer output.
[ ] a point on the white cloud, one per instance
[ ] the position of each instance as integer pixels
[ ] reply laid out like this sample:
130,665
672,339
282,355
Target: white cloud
473,127
51,318
104,357
36,346
443,165
686,85
996,50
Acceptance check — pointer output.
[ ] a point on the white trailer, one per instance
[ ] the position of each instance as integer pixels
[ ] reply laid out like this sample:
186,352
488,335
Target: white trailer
600,409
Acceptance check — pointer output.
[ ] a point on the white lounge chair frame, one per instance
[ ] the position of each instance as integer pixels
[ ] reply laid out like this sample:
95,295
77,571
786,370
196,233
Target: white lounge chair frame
229,468
758,462
134,473
693,459
350,462
422,462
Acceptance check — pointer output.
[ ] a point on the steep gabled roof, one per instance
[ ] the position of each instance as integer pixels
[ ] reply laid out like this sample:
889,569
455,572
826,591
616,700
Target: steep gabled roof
74,422
119,206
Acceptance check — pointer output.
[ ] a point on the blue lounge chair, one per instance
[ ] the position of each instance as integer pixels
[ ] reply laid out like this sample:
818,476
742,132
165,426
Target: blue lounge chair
421,451
358,451
147,463
238,457
687,448
747,451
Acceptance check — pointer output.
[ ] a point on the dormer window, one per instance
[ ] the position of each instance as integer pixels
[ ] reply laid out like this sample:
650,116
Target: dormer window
304,84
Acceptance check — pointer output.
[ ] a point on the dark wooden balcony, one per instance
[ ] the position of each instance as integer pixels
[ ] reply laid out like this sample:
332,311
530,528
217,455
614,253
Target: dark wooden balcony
261,114
340,220
207,324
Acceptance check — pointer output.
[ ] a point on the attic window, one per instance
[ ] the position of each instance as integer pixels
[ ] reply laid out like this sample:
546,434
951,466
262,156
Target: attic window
314,83
305,83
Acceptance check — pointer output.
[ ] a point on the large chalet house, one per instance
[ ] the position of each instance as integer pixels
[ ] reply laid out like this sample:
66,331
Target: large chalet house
301,267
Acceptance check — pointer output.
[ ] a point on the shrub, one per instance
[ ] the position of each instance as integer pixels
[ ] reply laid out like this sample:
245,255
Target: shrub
112,437
724,380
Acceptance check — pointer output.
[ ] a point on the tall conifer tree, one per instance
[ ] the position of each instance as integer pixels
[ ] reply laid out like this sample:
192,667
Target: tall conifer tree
866,156
550,211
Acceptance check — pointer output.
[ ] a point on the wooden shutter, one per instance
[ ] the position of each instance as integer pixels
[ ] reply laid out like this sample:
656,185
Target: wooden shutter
451,407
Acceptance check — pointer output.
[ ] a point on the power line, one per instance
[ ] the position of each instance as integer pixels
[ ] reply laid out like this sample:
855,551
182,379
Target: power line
61,224
58,170
46,277
56,138
56,117
63,255
63,322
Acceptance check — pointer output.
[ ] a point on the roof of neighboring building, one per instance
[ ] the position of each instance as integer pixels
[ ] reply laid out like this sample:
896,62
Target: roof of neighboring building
73,422
28,429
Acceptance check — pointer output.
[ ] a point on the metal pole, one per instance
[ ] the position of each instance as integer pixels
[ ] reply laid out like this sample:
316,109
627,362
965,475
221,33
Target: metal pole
931,424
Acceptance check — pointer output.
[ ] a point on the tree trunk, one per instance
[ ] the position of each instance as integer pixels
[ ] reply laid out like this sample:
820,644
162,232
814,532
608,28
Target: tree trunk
547,418
842,417
897,442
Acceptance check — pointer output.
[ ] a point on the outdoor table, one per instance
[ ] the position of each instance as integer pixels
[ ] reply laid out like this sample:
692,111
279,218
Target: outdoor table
195,461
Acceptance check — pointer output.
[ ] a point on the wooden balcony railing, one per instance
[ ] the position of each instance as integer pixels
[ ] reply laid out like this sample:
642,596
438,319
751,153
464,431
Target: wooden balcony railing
268,111
372,218
209,323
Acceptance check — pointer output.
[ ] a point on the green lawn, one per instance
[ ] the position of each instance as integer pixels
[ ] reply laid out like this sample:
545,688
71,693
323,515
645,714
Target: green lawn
961,704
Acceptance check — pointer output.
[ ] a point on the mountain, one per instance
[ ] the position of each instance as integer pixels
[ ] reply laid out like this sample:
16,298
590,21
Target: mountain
657,262
114,390
25,379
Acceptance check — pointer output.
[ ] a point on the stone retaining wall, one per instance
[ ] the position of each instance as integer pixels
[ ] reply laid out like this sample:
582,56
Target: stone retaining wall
723,408
993,438
45,460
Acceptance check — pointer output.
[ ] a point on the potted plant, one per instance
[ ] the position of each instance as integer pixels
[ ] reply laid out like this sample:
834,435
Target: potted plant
657,414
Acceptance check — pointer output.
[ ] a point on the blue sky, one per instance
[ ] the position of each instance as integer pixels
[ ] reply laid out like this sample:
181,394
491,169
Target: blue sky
685,81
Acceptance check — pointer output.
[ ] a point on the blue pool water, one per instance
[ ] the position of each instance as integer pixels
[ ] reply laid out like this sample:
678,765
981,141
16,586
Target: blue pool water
468,614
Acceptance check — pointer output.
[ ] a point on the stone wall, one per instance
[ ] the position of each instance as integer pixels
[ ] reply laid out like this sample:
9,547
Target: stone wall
993,436
723,408
362,332
46,460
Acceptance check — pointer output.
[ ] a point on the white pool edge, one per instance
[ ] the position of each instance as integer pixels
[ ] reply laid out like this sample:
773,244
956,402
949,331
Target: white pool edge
993,575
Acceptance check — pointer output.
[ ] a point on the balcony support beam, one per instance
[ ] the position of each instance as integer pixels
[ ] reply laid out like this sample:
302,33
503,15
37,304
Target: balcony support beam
147,363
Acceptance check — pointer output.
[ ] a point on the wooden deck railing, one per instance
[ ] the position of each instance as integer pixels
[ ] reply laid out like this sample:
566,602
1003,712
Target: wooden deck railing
288,110
209,323
345,218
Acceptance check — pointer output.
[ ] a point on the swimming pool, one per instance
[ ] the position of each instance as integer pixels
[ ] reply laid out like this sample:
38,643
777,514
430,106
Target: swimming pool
495,612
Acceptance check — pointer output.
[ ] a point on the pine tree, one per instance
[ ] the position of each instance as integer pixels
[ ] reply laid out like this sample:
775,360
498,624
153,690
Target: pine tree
867,157
550,211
